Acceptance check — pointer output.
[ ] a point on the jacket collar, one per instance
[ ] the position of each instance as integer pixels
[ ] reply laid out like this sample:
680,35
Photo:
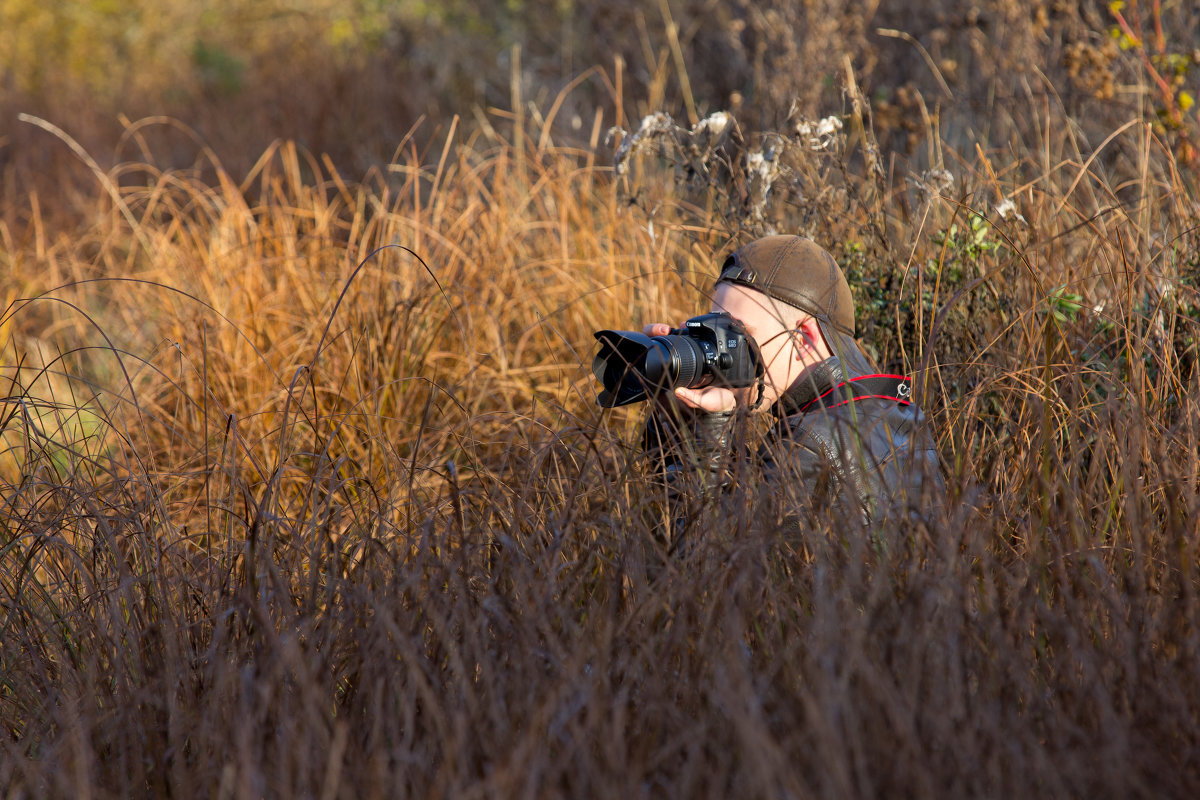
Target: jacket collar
814,382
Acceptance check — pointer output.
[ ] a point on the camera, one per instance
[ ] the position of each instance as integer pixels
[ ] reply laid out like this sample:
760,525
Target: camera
709,349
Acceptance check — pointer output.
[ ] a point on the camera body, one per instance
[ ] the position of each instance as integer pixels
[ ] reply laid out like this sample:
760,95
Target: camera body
711,349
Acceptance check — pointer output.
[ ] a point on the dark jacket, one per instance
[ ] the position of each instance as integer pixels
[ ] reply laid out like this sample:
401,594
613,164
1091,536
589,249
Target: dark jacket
851,437
850,434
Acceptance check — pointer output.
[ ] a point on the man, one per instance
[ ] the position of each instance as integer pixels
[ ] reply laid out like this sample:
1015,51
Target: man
849,434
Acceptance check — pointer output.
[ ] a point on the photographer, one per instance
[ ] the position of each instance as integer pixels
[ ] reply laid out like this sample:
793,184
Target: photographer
848,434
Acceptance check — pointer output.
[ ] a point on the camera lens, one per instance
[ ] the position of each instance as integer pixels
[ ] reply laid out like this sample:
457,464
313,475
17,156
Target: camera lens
674,361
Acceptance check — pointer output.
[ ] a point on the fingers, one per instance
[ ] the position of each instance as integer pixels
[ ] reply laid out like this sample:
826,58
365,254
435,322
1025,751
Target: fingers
657,329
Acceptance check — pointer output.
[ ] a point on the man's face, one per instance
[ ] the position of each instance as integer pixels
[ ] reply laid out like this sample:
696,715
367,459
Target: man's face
784,340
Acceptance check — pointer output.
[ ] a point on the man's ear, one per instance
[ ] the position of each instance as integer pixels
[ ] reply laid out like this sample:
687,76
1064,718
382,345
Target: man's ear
809,334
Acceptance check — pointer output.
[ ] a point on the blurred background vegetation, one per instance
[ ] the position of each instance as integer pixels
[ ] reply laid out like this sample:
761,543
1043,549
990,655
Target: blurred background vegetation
350,79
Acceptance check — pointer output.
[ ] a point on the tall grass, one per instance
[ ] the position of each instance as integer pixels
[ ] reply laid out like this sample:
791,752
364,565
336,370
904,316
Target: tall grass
306,493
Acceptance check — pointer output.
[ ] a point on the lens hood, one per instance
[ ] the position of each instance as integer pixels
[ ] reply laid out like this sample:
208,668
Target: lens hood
618,366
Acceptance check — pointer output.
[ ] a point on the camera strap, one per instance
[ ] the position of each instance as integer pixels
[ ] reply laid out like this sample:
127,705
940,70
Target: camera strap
758,400
897,388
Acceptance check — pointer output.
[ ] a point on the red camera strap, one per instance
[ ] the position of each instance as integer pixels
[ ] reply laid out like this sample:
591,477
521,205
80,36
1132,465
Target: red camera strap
897,388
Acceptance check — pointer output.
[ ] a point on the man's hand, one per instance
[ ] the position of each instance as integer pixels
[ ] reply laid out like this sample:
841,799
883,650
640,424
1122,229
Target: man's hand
712,399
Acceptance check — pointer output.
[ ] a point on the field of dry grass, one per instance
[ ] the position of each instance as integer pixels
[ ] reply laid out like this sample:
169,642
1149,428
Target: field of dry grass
304,491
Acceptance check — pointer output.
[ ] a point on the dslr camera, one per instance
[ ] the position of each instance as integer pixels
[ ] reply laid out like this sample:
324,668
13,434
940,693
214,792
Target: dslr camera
711,349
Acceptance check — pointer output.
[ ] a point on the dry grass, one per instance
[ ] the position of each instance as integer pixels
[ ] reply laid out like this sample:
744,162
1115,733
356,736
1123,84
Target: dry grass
305,492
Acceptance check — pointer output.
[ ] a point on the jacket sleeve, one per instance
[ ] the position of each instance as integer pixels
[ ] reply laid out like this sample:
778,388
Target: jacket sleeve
689,451
679,439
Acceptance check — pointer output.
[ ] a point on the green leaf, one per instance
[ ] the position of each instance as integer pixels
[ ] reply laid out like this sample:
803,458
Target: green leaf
1064,305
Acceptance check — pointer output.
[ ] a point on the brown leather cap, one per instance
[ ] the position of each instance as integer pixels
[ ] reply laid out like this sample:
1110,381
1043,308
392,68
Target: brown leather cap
798,272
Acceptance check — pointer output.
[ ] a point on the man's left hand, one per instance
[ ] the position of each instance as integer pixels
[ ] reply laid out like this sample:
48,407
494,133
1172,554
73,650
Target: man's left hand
713,399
